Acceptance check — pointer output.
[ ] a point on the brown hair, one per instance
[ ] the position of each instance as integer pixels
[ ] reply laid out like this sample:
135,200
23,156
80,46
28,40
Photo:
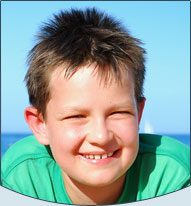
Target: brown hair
79,37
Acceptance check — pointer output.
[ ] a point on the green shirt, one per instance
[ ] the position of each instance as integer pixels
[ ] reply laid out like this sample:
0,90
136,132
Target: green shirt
161,166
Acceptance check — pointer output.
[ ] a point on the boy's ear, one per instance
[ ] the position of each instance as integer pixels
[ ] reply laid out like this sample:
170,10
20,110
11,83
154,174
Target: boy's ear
141,107
36,124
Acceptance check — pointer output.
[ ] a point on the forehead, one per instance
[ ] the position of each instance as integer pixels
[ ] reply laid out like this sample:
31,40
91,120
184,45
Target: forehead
85,89
105,77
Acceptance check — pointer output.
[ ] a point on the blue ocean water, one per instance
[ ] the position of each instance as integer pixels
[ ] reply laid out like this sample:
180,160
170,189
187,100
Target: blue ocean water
9,139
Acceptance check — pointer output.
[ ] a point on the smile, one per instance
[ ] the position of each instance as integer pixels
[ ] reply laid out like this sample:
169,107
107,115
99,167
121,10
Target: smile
97,157
100,159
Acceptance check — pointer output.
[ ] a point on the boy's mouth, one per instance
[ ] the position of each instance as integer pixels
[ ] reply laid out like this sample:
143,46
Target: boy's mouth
100,159
97,157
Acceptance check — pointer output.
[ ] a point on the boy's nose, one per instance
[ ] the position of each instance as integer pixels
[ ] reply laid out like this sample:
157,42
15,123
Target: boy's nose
99,133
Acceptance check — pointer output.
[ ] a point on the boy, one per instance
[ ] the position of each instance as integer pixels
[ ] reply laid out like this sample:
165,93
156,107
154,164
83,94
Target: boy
85,85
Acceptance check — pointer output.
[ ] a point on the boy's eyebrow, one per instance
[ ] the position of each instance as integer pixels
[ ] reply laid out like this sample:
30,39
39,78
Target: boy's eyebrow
121,106
129,107
71,109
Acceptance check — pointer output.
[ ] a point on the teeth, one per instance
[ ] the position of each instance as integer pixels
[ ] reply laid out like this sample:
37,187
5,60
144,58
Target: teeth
97,157
104,156
110,154
91,156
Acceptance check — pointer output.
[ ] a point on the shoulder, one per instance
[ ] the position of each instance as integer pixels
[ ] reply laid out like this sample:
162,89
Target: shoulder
164,146
29,168
164,165
26,149
23,157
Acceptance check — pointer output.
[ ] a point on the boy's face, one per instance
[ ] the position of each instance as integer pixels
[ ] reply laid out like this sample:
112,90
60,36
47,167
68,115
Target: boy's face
92,128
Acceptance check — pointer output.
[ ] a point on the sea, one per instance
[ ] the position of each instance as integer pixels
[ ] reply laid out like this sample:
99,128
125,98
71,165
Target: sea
9,139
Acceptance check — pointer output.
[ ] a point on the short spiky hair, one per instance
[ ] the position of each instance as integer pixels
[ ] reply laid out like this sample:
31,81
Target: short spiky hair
79,37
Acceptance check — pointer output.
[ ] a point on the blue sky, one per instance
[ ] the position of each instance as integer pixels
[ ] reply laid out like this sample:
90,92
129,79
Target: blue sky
164,27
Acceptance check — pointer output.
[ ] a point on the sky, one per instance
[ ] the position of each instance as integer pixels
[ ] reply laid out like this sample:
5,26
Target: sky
163,27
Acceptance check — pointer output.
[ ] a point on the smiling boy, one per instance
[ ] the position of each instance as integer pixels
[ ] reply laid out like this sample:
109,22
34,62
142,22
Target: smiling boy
85,84
92,128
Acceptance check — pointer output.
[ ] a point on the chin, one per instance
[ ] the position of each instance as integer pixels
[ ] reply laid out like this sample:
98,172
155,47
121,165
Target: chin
101,180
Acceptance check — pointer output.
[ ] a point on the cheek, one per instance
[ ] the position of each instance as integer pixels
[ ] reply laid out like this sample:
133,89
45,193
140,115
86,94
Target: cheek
64,140
127,131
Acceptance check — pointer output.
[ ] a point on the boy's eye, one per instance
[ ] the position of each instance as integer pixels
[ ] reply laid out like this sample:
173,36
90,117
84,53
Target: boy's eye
74,117
120,113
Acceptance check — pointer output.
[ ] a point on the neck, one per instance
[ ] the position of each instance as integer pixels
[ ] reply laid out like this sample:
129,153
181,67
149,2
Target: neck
91,195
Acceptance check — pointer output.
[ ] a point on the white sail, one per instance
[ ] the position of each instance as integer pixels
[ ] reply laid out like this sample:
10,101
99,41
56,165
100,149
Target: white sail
148,128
